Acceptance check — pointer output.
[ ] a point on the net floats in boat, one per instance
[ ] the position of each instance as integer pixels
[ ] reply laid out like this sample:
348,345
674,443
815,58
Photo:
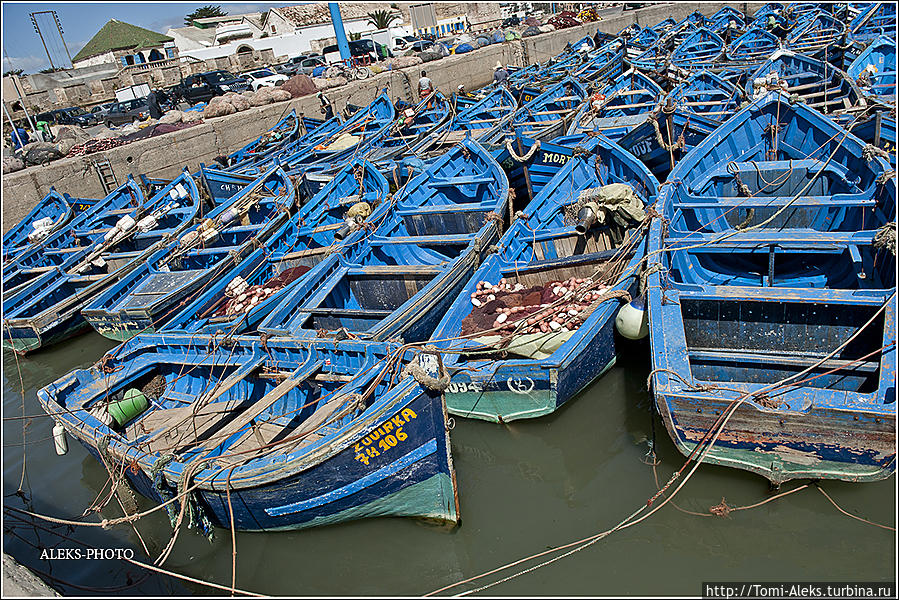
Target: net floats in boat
513,306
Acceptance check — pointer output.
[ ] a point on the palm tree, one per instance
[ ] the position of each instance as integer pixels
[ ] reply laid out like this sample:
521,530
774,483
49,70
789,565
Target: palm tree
382,19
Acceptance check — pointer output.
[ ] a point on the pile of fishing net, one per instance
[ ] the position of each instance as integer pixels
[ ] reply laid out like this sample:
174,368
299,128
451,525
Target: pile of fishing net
92,146
243,296
531,321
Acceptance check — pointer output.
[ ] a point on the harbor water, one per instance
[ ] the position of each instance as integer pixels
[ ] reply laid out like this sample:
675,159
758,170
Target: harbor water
524,488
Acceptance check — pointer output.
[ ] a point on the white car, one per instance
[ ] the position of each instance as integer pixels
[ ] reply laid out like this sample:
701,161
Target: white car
263,78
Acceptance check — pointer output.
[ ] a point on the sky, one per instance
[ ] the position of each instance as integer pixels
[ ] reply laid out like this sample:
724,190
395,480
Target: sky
22,48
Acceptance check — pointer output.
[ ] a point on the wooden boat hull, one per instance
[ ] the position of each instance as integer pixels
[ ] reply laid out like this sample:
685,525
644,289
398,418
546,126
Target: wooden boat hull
780,446
393,459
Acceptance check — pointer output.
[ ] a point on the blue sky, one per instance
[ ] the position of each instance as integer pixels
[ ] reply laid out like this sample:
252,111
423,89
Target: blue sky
81,20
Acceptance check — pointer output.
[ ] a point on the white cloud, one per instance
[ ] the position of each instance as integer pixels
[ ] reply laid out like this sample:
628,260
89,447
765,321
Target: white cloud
29,64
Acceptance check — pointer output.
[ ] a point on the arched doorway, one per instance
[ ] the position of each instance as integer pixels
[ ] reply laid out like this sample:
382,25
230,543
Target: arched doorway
155,55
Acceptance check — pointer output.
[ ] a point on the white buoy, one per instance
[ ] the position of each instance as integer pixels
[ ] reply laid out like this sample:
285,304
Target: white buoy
59,439
632,321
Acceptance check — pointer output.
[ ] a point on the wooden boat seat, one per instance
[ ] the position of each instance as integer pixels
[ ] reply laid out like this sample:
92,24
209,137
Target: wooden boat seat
455,239
368,313
64,250
781,358
452,181
248,415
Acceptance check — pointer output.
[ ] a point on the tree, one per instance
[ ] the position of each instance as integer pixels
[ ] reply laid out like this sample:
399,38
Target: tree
382,19
203,12
13,72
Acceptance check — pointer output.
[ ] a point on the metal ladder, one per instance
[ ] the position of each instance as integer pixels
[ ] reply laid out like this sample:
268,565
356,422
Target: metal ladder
105,173
407,87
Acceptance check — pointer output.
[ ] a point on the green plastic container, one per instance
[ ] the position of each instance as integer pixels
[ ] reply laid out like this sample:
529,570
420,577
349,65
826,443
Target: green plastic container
131,405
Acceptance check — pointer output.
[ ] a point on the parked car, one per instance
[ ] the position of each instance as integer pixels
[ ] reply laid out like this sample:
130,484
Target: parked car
309,64
74,115
100,110
203,86
421,45
263,78
292,66
127,111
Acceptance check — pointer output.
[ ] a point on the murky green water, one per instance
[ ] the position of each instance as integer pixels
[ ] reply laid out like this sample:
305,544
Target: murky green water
523,488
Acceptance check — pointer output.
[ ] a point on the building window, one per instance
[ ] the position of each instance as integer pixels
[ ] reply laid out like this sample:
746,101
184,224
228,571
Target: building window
170,52
124,61
273,29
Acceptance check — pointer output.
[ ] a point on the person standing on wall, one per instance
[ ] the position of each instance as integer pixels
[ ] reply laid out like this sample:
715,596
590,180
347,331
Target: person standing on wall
500,75
326,107
153,105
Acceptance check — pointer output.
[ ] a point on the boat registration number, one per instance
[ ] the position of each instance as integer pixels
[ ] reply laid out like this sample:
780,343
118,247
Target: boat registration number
387,436
462,387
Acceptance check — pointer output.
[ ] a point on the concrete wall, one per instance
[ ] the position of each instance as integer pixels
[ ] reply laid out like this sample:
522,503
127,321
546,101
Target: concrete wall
165,156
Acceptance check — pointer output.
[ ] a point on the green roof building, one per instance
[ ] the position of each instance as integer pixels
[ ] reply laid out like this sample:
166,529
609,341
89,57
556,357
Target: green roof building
126,44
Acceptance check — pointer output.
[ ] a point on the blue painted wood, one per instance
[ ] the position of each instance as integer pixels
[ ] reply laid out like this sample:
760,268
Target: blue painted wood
822,86
21,236
874,71
153,293
541,246
424,246
68,244
308,239
768,296
334,441
283,133
700,50
623,105
48,308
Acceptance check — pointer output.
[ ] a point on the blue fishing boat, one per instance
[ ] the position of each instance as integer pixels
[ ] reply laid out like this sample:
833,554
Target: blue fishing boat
665,137
707,95
268,436
72,242
752,48
874,71
700,50
619,107
47,310
490,113
49,215
646,38
414,125
347,142
875,20
531,164
816,31
283,133
258,161
509,356
727,17
544,117
772,299
821,85
424,247
318,232
879,130
173,276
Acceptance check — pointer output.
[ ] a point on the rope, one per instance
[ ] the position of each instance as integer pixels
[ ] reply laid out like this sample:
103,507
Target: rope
528,155
886,238
436,384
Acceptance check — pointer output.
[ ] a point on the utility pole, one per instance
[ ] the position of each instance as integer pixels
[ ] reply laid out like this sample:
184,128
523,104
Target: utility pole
37,30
